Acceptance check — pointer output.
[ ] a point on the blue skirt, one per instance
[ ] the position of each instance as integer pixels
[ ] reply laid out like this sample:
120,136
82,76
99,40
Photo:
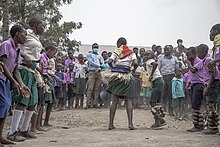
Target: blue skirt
5,98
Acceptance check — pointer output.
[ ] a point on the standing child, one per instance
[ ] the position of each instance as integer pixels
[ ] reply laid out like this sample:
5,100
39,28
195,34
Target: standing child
9,74
157,87
58,87
178,94
195,66
80,70
70,84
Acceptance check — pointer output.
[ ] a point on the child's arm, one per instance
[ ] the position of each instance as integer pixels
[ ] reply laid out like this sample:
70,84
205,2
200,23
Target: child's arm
212,78
191,68
8,75
154,64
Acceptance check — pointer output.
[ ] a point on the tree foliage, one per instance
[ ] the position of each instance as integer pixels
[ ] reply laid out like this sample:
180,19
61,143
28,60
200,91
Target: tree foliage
21,10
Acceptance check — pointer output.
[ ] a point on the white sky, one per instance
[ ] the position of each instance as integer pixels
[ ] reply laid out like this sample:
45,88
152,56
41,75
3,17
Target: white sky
143,22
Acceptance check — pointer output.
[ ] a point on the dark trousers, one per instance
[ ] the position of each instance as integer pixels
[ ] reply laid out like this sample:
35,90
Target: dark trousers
167,92
196,94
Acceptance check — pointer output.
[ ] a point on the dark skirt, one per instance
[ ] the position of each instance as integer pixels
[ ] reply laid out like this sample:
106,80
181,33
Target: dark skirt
121,84
80,87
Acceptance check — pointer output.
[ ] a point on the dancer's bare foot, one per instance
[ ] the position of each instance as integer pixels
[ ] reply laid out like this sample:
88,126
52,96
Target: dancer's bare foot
5,141
131,127
111,127
41,129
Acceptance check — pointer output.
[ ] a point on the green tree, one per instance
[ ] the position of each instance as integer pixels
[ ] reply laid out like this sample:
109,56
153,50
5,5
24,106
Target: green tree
21,10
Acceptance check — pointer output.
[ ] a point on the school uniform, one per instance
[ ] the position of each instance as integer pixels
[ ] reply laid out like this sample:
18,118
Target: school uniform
70,83
12,53
177,92
80,78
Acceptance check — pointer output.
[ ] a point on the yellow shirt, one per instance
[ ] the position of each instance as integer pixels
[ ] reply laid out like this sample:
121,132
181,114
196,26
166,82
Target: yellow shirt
145,79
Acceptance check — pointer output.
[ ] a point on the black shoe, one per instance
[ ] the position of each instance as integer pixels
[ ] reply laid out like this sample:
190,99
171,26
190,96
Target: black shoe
162,122
27,134
210,131
15,137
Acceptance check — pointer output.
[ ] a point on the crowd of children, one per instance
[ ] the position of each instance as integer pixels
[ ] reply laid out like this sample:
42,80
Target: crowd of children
177,80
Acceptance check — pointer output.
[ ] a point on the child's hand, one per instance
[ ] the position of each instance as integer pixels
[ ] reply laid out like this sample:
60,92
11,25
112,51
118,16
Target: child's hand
187,62
25,91
16,88
211,64
1,67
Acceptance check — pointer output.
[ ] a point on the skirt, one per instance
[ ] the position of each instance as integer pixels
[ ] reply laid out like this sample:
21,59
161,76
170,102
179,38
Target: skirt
80,87
121,84
145,91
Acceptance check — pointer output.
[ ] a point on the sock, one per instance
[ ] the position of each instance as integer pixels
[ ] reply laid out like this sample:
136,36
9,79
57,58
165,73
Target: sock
26,120
16,117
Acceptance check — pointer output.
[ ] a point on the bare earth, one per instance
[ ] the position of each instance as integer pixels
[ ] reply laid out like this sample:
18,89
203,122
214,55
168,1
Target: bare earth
88,128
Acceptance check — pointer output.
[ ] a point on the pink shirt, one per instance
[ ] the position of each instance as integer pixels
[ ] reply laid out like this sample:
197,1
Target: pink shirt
70,77
8,49
45,62
197,77
68,61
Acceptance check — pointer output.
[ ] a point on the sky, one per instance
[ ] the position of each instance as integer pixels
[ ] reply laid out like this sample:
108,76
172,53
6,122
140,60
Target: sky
143,22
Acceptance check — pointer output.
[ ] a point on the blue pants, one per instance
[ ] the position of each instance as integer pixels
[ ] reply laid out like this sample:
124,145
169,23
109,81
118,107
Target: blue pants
5,98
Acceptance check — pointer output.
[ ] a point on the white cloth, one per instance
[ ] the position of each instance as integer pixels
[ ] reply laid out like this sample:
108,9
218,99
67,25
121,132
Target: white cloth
79,70
127,61
16,117
149,68
32,46
52,64
26,120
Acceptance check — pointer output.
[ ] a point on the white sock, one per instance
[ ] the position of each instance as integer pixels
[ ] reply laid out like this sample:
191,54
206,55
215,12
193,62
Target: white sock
26,120
16,117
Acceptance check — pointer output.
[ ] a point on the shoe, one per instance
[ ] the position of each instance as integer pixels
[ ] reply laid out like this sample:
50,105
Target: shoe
194,130
15,137
210,131
27,134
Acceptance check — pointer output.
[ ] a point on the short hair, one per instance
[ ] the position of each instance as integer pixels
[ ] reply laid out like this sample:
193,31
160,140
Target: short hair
14,29
191,50
203,48
179,40
169,46
33,20
122,41
142,49
135,48
80,56
95,45
216,27
51,46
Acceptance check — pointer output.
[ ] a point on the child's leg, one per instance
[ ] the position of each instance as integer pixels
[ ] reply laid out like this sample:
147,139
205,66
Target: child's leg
34,121
77,101
2,139
181,108
81,101
48,112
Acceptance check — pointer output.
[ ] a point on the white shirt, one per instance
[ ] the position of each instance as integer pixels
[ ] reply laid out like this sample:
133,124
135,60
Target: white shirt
149,68
79,70
32,46
127,61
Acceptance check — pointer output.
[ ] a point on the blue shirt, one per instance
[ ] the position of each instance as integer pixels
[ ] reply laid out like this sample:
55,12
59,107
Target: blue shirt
106,66
94,61
177,88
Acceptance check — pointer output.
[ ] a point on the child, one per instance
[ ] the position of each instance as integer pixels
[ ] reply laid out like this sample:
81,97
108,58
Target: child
59,87
178,94
80,70
9,74
157,87
70,84
211,91
146,87
195,66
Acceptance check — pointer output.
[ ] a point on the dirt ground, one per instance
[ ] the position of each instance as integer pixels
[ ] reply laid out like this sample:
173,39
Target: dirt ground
88,128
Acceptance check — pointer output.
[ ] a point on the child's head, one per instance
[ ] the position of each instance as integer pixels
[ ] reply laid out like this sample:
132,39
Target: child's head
191,53
105,55
51,50
179,42
19,33
80,57
141,52
59,66
63,68
178,72
60,54
149,54
121,41
215,30
159,49
37,25
178,54
71,66
135,50
71,53
202,51
168,50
